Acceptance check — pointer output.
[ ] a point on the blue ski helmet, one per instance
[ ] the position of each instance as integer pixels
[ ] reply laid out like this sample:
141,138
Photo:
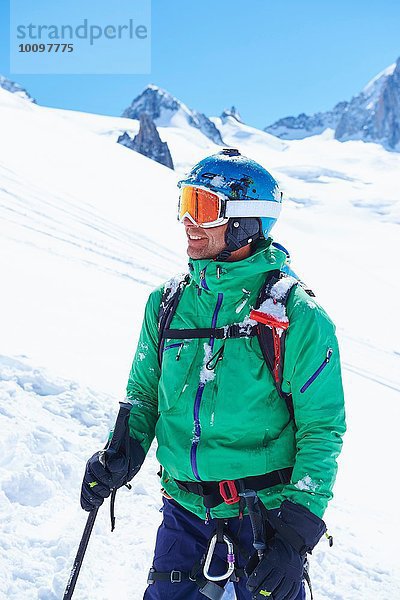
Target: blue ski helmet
240,178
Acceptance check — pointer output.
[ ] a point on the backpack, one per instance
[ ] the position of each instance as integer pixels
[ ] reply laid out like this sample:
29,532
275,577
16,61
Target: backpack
269,316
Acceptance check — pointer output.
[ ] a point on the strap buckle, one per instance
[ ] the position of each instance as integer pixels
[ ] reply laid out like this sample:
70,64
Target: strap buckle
228,332
176,576
229,492
150,579
237,331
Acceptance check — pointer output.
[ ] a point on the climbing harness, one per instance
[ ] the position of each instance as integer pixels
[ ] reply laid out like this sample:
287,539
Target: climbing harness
209,584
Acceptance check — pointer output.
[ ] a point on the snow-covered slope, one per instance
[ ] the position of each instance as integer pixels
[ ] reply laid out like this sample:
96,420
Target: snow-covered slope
237,133
76,210
48,425
186,143
88,228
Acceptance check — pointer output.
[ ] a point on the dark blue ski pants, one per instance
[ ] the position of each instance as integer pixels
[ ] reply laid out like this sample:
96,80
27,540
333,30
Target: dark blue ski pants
182,540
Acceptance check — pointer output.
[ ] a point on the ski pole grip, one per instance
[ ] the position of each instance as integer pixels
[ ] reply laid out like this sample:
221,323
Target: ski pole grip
121,427
256,519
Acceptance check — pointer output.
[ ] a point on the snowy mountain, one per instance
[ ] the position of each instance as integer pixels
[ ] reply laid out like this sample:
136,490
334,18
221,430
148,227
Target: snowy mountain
166,110
297,128
231,112
15,88
148,142
372,116
84,239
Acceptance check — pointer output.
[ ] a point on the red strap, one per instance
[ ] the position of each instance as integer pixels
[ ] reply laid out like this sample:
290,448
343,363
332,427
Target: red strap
277,352
269,320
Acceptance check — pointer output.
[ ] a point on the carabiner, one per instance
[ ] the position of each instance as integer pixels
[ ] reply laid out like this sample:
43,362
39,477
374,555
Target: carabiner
230,559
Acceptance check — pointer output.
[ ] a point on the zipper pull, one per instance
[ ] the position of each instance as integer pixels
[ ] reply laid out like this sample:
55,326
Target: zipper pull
203,282
321,367
178,354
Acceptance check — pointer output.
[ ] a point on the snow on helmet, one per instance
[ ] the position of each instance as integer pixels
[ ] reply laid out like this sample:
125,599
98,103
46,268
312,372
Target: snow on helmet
240,178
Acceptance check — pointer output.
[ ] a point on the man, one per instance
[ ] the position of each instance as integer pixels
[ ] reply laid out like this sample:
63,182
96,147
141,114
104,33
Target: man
237,375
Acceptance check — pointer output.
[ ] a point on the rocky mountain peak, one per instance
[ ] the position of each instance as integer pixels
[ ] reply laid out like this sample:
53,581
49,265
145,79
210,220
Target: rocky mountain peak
163,108
231,112
148,142
302,126
15,88
154,101
373,115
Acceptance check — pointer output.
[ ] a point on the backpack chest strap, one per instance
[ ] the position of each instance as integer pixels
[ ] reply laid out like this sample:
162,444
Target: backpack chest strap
220,333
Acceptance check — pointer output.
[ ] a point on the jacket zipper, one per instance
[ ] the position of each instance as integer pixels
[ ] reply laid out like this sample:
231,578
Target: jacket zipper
197,401
314,376
203,281
176,345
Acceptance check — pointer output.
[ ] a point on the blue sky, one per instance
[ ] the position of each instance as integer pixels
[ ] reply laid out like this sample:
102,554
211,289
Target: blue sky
270,59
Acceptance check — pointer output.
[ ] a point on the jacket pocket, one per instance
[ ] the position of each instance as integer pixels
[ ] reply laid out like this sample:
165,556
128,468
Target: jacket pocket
314,376
177,362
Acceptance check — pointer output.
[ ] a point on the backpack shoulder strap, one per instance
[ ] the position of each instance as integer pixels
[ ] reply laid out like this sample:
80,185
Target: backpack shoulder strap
171,295
270,313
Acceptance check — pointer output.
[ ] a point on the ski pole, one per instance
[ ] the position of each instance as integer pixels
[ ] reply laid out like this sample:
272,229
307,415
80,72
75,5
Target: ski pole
256,520
117,438
69,590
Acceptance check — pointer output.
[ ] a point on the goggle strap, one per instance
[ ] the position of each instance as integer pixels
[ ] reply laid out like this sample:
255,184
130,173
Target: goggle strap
253,208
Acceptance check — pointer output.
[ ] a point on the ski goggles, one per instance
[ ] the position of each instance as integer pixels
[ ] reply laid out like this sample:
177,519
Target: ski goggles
202,207
210,209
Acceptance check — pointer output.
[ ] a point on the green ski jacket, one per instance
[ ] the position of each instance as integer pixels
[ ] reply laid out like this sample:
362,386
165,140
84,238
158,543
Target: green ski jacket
230,422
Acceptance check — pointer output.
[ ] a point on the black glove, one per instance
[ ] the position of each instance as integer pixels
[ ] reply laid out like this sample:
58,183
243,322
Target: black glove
113,467
279,574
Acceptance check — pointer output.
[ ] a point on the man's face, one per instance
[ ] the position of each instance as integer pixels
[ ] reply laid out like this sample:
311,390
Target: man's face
204,242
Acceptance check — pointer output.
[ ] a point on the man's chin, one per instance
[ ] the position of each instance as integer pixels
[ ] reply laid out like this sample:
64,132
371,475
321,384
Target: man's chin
197,254
194,255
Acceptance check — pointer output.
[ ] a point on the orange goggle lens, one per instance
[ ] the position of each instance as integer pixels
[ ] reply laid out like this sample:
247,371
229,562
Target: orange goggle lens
203,206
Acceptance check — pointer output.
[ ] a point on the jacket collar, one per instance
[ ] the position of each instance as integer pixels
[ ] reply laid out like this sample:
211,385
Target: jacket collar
217,277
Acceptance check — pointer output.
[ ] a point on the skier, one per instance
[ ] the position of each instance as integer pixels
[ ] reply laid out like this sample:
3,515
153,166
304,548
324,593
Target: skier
237,375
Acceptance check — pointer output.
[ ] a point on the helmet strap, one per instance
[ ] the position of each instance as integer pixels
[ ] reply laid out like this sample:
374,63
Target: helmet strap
223,256
240,232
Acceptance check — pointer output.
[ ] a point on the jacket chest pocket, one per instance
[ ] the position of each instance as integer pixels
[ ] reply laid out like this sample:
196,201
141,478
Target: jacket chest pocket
177,372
